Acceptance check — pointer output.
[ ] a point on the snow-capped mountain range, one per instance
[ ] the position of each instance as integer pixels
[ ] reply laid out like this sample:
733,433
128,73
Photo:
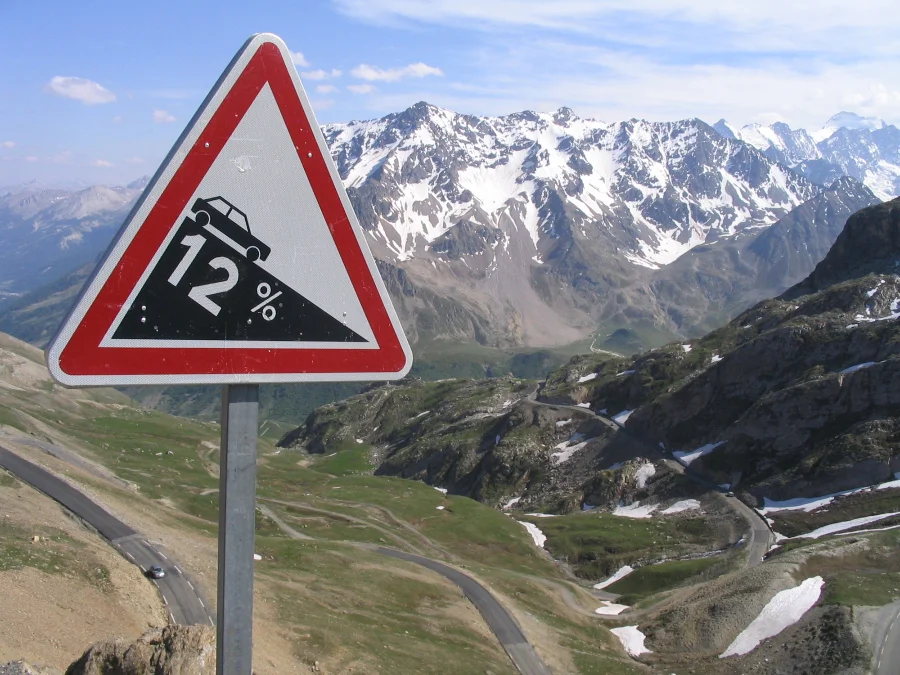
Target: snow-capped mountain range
864,148
536,228
657,189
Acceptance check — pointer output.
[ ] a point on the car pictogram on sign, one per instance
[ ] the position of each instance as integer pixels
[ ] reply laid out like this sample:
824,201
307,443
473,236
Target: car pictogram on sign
225,221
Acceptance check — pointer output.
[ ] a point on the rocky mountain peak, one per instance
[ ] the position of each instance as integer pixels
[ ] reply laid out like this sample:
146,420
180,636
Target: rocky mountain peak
850,120
869,244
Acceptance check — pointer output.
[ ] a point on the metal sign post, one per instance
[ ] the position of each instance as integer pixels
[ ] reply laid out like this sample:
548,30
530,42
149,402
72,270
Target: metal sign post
237,528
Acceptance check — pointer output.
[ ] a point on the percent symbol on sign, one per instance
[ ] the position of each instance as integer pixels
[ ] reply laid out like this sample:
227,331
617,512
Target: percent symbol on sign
265,292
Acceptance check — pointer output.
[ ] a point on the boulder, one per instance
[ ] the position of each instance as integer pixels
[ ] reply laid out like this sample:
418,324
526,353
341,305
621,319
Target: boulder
173,650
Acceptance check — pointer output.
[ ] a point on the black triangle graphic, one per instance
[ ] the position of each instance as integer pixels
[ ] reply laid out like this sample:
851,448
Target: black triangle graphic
207,285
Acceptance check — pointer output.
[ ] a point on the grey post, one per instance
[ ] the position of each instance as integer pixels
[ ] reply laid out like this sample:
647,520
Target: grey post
237,528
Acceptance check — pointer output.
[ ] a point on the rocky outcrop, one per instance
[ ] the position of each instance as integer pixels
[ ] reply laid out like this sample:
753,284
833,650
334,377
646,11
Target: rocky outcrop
173,650
869,244
799,392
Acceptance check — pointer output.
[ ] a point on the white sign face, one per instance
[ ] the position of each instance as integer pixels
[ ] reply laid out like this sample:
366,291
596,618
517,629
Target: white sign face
243,261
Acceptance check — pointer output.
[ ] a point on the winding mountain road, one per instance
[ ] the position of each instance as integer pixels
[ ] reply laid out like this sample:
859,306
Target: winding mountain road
761,537
886,656
498,619
520,651
182,599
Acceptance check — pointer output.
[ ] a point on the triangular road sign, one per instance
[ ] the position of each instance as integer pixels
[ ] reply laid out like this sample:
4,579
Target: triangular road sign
243,261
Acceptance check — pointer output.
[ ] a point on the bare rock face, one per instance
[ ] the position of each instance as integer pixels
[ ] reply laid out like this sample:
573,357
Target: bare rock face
173,650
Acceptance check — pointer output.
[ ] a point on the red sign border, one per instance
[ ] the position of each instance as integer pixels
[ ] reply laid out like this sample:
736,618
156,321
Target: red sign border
83,357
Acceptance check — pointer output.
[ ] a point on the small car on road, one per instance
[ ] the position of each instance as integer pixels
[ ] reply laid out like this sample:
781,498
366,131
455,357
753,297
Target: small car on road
156,572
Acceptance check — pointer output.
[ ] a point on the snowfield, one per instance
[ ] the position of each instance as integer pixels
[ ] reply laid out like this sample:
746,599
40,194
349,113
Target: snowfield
511,503
623,416
683,505
632,640
812,503
586,378
635,510
846,525
644,472
620,574
610,608
689,456
781,611
538,536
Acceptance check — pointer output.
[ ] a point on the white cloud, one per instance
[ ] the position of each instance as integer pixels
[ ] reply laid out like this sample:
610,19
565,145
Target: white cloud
659,59
374,74
102,164
326,88
320,74
117,119
31,158
769,21
361,88
80,89
322,103
8,144
299,59
163,117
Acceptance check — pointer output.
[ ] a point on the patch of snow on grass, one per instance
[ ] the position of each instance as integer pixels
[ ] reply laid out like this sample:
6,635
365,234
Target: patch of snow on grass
610,608
541,515
424,412
623,416
511,503
632,640
846,525
716,358
781,611
359,440
439,508
587,378
441,490
635,510
690,456
625,372
582,405
644,472
621,573
683,505
812,503
538,536
686,348
562,423
858,366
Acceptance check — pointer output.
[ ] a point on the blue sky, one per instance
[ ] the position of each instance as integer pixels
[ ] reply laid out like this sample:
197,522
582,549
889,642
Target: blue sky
97,91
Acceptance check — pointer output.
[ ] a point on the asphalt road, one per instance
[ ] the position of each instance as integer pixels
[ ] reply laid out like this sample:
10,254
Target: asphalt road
498,619
178,593
760,535
886,656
